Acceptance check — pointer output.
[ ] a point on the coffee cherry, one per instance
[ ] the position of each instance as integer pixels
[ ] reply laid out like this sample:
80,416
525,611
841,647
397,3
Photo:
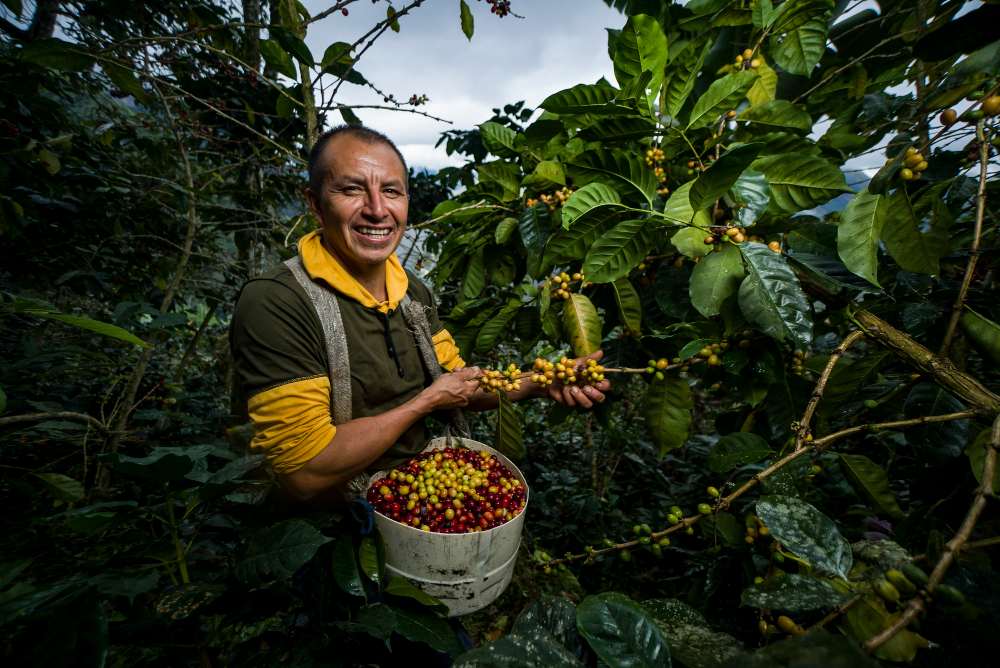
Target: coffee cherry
704,509
755,63
625,555
901,582
886,590
712,492
906,174
787,625
747,54
991,105
948,117
775,246
662,363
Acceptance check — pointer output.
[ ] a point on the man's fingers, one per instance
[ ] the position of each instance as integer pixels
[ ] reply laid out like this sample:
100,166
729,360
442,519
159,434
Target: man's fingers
581,398
593,394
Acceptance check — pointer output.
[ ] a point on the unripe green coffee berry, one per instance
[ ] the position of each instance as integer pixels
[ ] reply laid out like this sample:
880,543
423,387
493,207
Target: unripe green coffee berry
657,551
625,555
712,492
663,542
887,591
704,509
673,519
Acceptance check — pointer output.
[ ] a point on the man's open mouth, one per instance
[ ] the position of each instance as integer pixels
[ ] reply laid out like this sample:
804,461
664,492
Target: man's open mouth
374,232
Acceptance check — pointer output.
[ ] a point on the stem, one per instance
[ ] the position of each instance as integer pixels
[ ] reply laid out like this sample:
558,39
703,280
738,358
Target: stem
817,394
918,603
970,268
59,415
178,547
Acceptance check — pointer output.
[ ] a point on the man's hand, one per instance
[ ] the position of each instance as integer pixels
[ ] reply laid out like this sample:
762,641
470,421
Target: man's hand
453,390
573,396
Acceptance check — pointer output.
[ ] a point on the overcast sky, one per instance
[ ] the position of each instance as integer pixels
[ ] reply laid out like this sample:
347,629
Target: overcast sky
558,43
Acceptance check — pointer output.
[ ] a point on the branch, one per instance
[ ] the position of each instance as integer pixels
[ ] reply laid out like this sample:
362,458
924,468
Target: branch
58,415
817,394
918,603
481,204
970,268
336,107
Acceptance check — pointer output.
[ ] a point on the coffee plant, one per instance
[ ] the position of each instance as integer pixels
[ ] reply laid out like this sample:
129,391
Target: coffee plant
778,222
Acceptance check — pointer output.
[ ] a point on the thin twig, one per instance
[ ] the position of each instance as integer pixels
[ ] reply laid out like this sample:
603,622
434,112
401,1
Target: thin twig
970,268
918,603
57,415
817,393
481,204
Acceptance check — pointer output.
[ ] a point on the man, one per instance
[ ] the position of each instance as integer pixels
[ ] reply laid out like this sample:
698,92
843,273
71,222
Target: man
348,286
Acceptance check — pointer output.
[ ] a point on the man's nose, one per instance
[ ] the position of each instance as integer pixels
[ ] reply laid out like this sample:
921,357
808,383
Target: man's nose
375,205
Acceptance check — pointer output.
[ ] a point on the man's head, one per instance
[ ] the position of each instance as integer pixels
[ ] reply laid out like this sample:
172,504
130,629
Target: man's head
358,191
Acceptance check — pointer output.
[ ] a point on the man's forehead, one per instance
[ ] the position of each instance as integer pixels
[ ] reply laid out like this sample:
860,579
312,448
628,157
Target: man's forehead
349,156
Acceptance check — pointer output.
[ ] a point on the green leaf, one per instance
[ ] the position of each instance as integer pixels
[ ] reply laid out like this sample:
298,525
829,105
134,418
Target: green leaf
390,16
88,324
585,200
909,247
976,452
3,401
278,551
337,61
57,54
403,588
468,22
668,413
750,196
525,647
62,487
292,44
722,174
793,593
776,116
690,242
618,251
475,276
277,58
807,533
682,75
378,621
678,209
641,47
548,175
765,88
735,450
936,442
722,95
771,298
496,327
793,14
983,332
427,628
509,435
871,482
124,78
860,229
868,617
692,643
556,616
163,464
817,648
617,169
629,305
800,50
581,324
572,245
801,181
533,231
505,174
621,632
345,567
598,99
368,558
498,139
505,228
715,279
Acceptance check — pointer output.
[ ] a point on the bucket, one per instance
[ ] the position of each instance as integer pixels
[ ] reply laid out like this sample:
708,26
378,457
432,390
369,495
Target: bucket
466,571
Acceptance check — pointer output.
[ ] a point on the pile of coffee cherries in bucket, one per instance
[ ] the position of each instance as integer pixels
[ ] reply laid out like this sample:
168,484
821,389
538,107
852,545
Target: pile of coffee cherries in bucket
454,490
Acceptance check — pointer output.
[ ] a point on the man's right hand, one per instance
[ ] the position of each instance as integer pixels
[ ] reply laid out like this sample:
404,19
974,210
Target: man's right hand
454,389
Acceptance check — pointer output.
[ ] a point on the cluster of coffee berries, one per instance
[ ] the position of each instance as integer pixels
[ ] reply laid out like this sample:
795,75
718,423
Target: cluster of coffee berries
914,164
654,545
569,373
561,283
675,515
798,360
544,372
496,380
553,201
654,157
454,490
714,352
499,7
775,246
754,529
746,60
656,367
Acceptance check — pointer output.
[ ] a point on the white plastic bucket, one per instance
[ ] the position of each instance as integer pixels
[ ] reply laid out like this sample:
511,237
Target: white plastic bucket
466,571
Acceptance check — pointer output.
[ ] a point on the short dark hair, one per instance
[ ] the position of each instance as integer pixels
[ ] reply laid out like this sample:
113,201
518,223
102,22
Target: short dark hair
357,131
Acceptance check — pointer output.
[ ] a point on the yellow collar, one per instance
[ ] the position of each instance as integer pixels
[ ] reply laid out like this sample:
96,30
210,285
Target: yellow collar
321,266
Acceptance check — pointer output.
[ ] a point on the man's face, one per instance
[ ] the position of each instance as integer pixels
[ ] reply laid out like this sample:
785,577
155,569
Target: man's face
362,205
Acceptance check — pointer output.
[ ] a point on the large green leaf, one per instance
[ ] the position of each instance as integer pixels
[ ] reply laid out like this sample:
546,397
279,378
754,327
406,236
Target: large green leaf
765,88
496,327
777,115
572,245
83,322
57,54
369,558
668,413
498,139
466,19
278,551
793,593
621,632
548,175
557,616
807,533
682,74
582,324
817,648
475,276
721,175
62,487
678,208
641,47
792,14
509,435
976,452
403,588
715,279
869,617
345,567
800,50
520,649
983,332
533,228
427,628
771,297
692,643
724,94
277,58
870,481
858,234
505,229
750,197
504,174
912,249
629,305
586,199
801,181
292,44
618,251
618,169
736,449
595,99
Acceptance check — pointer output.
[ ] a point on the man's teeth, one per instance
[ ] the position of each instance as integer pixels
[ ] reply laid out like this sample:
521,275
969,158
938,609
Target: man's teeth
372,231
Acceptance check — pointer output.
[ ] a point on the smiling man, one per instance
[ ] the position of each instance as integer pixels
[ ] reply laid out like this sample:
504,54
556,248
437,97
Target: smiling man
339,353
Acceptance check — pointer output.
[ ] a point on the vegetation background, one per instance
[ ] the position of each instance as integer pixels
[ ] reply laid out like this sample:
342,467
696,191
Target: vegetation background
807,478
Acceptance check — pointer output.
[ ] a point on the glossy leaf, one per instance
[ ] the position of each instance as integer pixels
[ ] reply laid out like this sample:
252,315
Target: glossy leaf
586,99
801,181
62,487
557,616
522,648
89,324
869,617
466,19
641,47
533,229
509,433
475,277
976,452
621,632
765,88
807,533
292,44
548,175
735,450
722,95
792,592
277,58
800,50
57,54
505,228
859,232
629,305
681,76
692,643
715,279
496,327
678,208
368,559
817,648
771,298
667,410
278,551
618,251
585,200
871,482
721,175
750,197
582,324
982,332
345,567
777,115
427,628
912,249
498,139
403,588
625,172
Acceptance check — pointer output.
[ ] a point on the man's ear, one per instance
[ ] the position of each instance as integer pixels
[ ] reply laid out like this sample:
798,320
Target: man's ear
313,203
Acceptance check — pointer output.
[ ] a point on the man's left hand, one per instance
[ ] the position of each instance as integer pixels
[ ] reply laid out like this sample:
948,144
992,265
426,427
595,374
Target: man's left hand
582,397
